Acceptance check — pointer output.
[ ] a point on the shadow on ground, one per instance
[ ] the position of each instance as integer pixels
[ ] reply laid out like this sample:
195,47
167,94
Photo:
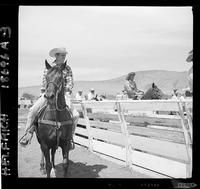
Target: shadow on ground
80,170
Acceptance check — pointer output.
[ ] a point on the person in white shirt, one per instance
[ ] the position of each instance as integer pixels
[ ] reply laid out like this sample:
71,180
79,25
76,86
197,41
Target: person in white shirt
79,95
91,94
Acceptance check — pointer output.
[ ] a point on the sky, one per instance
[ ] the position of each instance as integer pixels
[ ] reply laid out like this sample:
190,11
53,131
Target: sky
104,42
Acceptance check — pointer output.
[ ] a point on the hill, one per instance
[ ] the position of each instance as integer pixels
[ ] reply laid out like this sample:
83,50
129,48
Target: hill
165,80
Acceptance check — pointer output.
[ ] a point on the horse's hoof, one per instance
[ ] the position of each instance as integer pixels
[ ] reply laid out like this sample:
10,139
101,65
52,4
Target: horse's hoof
43,171
53,173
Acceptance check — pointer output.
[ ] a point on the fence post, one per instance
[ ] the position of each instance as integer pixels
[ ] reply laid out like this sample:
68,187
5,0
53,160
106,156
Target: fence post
189,118
87,126
188,139
125,133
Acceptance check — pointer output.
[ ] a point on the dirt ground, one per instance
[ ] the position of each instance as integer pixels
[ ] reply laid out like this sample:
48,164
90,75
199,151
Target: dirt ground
83,163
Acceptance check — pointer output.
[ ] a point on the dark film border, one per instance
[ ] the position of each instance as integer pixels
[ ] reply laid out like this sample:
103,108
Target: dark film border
9,106
9,91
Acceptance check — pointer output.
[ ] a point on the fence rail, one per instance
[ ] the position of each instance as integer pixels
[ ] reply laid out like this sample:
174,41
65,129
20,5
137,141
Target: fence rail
132,132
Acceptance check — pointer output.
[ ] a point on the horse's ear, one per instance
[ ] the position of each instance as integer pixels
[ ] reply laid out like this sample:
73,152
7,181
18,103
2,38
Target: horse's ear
47,65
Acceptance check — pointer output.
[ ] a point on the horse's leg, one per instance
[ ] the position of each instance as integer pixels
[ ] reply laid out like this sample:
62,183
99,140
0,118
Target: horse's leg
46,153
65,153
53,171
42,164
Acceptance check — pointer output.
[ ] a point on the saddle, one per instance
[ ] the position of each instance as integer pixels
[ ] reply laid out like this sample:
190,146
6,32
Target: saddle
40,118
57,123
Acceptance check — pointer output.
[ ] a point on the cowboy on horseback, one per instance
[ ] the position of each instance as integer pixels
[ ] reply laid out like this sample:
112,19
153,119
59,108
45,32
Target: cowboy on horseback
130,87
59,54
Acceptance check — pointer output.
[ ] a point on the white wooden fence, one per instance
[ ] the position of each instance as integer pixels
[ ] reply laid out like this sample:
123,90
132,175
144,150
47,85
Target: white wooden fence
130,131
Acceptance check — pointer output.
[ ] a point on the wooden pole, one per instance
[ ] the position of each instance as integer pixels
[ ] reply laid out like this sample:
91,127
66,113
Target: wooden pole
187,140
87,126
189,118
125,133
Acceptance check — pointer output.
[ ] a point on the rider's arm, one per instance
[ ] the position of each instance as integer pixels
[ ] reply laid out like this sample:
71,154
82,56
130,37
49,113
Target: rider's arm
44,79
69,82
136,89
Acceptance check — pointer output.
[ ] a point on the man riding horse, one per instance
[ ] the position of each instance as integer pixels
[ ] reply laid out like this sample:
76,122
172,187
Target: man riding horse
59,54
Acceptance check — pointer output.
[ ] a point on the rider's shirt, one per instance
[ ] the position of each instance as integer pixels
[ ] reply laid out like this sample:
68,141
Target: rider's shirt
68,77
130,86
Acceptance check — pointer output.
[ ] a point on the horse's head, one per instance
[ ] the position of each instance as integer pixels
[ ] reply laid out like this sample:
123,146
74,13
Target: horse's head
153,93
54,81
156,92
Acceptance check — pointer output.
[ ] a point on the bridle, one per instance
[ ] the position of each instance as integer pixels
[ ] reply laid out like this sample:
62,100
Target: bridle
58,88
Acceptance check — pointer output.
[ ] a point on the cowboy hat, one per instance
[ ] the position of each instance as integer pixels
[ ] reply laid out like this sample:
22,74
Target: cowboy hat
57,50
91,89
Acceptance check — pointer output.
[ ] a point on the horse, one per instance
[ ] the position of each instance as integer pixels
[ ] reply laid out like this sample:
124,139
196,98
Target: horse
188,93
154,93
54,121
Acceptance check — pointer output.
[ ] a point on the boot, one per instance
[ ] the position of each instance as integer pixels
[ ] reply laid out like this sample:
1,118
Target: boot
26,139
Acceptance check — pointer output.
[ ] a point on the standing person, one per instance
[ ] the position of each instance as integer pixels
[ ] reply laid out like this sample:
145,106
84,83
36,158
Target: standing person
59,54
91,94
190,72
79,95
131,88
